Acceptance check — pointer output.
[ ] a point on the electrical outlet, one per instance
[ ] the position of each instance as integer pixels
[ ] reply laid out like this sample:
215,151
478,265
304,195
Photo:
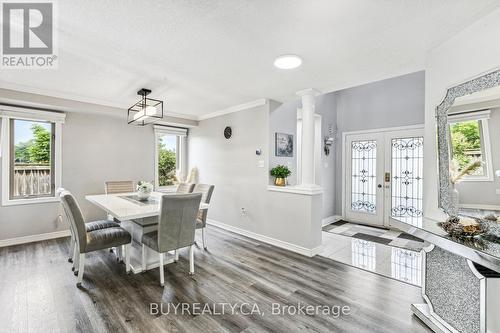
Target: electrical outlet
243,212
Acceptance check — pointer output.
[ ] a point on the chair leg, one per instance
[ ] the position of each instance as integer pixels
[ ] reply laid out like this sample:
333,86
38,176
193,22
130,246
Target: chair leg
176,256
127,258
191,260
162,277
203,237
143,257
71,249
75,257
81,266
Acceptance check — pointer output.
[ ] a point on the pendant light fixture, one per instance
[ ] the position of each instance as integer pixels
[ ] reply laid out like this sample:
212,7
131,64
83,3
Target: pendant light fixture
146,111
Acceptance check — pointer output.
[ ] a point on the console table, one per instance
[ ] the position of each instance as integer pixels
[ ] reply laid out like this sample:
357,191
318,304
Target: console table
461,280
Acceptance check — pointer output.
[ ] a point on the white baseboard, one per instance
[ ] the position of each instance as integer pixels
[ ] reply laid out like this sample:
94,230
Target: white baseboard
269,240
330,219
34,238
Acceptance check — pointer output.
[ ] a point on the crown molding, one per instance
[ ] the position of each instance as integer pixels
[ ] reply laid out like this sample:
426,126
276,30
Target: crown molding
236,108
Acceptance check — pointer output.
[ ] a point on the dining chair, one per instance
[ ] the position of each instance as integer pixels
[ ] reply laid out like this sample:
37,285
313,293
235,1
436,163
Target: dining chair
113,187
94,240
89,226
176,228
119,186
201,221
185,188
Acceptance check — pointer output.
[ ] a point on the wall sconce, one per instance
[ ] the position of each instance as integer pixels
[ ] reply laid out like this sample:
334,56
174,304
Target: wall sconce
328,143
329,140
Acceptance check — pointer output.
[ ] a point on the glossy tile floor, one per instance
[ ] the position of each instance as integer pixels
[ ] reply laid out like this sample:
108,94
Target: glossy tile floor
390,261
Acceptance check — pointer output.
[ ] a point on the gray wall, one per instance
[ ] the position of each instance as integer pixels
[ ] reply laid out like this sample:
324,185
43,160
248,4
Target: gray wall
232,166
283,119
326,107
483,193
95,149
393,102
398,101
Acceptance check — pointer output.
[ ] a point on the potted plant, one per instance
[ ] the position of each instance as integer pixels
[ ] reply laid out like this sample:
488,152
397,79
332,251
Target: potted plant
144,190
280,172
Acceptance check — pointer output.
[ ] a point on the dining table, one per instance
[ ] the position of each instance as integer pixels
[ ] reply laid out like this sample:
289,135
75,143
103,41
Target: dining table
138,217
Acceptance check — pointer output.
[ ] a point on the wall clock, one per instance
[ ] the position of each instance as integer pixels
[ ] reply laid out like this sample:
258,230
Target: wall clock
228,132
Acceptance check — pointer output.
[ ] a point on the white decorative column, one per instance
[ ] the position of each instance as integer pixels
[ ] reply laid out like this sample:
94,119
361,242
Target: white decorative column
307,143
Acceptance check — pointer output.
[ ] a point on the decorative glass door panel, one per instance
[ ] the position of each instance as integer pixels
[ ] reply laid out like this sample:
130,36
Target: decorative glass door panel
364,176
407,179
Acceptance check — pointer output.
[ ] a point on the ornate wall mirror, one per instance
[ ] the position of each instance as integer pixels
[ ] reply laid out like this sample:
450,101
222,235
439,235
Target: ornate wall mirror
468,131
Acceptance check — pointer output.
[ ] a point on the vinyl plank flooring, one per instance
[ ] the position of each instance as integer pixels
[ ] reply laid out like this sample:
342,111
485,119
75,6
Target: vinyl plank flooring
38,292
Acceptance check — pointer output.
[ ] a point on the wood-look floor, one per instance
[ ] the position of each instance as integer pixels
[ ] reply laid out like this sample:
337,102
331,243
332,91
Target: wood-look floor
38,292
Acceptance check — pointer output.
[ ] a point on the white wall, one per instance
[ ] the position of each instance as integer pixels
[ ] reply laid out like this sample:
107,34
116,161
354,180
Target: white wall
95,149
468,54
231,165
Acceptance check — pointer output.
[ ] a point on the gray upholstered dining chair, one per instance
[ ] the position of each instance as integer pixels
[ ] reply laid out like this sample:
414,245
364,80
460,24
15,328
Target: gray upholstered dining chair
89,241
89,226
201,221
119,186
185,188
176,228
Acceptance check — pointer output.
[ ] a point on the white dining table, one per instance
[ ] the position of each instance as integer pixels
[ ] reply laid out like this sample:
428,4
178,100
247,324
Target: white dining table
126,206
137,217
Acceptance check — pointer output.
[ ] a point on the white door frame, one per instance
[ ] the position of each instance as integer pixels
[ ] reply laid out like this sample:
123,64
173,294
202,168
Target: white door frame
344,153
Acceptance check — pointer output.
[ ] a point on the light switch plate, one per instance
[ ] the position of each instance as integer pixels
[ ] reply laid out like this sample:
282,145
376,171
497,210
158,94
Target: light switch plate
498,191
260,164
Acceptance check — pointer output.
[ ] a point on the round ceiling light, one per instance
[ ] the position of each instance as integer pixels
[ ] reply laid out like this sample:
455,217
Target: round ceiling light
288,61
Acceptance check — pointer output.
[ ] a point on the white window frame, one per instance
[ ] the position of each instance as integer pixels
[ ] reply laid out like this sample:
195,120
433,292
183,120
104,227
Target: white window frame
483,117
180,163
6,114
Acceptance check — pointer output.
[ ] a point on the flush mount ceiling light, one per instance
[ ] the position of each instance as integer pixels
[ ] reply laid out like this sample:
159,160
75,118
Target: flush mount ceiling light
146,111
288,61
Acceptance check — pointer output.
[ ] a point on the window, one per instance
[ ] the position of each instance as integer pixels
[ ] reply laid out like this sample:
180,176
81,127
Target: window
31,161
470,141
170,143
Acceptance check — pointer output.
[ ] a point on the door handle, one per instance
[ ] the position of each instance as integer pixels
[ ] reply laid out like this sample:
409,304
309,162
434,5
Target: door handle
379,185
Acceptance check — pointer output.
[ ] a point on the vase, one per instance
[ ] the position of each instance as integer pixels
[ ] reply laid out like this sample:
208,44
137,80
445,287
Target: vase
280,181
144,194
454,201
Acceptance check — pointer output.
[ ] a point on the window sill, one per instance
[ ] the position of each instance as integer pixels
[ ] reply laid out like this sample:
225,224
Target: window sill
33,201
477,179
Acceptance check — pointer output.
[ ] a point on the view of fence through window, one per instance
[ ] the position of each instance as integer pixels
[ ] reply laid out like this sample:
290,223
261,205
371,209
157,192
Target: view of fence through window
467,144
31,170
167,159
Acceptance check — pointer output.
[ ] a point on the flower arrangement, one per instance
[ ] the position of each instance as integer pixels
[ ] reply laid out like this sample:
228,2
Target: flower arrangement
456,175
144,189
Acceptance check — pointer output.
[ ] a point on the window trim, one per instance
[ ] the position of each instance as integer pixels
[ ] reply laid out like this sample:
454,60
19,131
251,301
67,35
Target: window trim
6,114
482,116
181,134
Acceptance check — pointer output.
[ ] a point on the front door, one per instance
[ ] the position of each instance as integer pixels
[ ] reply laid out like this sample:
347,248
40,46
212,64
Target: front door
384,177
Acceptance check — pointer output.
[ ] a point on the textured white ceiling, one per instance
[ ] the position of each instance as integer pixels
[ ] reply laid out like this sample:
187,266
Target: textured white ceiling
204,56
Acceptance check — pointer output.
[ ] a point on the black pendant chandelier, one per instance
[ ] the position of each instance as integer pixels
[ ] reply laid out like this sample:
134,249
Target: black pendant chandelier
146,111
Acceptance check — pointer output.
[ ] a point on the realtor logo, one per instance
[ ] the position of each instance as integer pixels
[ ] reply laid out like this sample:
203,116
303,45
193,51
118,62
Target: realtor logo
28,35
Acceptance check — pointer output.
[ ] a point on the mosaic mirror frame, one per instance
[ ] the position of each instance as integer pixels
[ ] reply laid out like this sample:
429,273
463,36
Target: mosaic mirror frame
480,83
